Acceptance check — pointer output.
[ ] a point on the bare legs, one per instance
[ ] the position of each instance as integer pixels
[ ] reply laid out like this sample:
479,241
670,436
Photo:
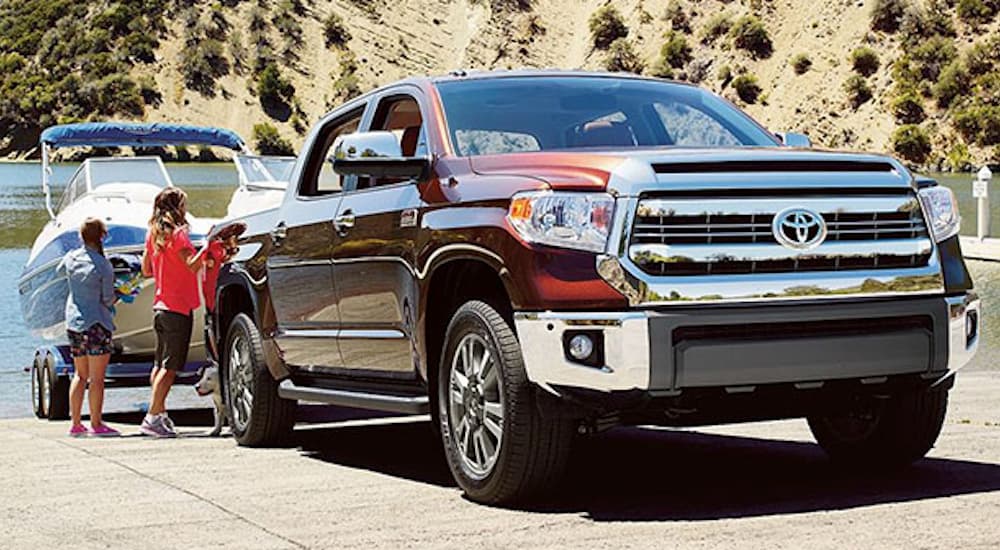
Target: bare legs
76,388
162,380
90,368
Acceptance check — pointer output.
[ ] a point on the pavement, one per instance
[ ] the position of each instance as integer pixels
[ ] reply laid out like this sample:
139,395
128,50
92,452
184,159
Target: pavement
347,481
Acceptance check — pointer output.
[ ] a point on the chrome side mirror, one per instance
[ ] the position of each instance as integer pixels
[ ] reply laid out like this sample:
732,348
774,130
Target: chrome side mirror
377,155
792,139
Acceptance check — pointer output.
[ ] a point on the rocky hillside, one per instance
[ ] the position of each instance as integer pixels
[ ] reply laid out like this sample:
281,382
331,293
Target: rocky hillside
920,78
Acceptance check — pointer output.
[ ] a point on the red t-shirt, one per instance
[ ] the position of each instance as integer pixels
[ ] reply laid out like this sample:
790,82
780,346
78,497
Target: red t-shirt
176,284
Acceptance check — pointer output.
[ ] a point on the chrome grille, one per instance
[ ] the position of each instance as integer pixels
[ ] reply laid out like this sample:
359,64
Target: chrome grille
701,236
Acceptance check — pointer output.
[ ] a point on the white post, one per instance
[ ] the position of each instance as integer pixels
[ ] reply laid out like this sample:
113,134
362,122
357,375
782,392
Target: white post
46,172
981,187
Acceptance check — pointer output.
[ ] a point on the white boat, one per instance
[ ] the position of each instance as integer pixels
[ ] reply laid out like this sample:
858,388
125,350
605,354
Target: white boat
120,191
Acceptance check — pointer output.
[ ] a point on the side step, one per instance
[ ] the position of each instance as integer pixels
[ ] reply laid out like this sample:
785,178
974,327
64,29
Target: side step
361,400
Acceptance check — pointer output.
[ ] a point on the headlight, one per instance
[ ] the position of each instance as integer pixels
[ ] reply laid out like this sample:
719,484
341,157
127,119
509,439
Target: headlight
942,211
564,219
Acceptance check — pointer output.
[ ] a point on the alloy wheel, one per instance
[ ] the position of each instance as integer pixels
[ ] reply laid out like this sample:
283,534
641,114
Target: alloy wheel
476,406
240,382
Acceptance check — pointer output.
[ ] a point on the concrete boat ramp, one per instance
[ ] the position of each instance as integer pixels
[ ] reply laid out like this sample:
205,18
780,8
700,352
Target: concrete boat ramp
350,482
981,249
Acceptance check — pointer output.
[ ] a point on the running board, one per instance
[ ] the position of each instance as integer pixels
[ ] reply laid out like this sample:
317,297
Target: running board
361,400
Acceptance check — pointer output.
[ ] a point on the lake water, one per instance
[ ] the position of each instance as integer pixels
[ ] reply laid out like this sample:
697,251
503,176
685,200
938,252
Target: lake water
209,186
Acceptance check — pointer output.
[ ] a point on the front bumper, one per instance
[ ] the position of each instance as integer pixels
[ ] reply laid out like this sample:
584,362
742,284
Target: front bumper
668,351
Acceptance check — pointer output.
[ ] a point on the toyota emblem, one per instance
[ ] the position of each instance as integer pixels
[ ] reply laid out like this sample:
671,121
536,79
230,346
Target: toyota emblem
799,228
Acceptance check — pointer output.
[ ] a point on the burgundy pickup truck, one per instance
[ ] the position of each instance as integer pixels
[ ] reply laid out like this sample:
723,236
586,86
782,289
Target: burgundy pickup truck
531,257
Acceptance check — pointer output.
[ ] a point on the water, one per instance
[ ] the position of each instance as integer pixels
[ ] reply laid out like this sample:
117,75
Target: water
22,215
209,187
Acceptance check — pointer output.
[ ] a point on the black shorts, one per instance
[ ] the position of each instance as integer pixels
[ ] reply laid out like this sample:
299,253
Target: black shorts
173,338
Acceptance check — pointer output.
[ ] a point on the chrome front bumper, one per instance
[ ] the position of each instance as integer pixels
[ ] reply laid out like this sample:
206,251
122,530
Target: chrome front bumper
634,345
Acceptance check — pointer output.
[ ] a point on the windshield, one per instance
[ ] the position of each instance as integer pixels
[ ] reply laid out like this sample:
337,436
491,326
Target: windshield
127,170
256,170
513,114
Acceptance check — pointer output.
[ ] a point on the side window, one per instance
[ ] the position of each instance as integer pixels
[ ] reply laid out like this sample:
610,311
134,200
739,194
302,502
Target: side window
74,190
318,177
399,114
687,125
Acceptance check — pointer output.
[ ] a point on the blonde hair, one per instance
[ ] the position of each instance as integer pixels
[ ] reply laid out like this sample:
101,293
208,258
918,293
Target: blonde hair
169,213
92,232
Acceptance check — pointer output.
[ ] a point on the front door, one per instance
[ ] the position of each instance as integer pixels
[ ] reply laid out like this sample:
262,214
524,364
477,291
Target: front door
374,255
299,267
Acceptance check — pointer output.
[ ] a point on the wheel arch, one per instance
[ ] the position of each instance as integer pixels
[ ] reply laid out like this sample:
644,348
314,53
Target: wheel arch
236,294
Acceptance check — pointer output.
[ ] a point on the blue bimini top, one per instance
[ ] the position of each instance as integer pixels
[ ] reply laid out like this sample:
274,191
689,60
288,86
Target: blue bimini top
129,134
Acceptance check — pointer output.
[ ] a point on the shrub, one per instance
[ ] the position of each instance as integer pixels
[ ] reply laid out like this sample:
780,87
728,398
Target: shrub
747,88
622,58
801,63
606,26
953,82
912,143
980,58
975,12
724,74
267,141
864,61
150,93
919,23
675,51
908,108
677,17
347,84
932,56
858,91
717,26
201,63
966,122
273,89
118,94
958,158
887,15
750,34
334,31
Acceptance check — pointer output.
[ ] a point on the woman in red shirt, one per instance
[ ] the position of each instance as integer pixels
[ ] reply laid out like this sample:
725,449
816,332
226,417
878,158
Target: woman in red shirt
172,261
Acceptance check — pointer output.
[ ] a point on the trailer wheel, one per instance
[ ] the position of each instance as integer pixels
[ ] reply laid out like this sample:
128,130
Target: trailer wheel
58,391
38,388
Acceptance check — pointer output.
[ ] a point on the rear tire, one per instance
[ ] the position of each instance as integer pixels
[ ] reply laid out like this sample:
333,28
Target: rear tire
883,433
38,388
258,416
500,449
58,391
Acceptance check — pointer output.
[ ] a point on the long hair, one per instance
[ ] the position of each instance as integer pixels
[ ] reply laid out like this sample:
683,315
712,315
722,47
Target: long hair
92,232
169,213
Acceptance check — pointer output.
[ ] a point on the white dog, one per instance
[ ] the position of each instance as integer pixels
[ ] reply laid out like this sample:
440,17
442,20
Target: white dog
209,384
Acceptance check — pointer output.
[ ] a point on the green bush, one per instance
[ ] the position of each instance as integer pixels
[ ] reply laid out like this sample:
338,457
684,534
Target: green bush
346,85
724,74
750,34
716,27
981,58
747,88
908,108
975,12
267,141
202,62
622,58
675,51
932,56
334,31
958,158
273,89
864,61
919,23
606,26
801,63
912,143
887,15
858,91
966,122
952,83
677,17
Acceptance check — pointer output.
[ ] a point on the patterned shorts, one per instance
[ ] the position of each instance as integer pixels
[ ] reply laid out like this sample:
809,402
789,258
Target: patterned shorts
95,341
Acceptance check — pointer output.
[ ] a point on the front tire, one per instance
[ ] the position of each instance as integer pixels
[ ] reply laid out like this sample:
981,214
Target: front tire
883,433
258,416
57,391
499,447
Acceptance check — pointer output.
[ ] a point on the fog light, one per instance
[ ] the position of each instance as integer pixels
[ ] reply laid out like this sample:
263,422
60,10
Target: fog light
581,346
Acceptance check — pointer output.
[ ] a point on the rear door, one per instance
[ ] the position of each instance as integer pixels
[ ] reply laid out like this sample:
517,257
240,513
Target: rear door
299,267
375,249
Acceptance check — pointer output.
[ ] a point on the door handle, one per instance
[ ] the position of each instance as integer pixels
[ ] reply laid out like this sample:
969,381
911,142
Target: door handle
344,222
279,233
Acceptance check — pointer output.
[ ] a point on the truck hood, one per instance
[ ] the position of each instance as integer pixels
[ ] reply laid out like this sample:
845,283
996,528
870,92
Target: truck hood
596,169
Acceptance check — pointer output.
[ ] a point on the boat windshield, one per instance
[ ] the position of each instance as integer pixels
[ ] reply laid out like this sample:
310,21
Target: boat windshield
126,170
270,172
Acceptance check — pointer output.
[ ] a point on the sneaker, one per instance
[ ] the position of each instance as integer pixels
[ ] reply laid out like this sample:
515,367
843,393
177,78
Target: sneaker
104,431
168,422
78,431
154,426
